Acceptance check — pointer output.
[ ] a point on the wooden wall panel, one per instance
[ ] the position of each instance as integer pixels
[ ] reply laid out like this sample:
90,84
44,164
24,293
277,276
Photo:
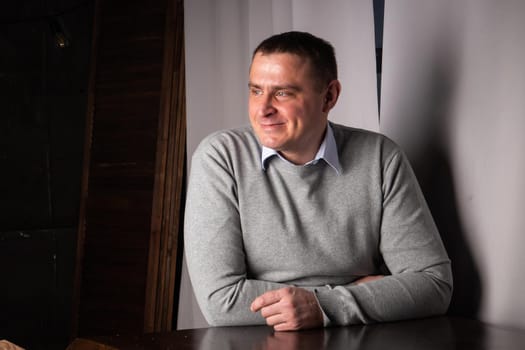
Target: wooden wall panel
126,232
166,227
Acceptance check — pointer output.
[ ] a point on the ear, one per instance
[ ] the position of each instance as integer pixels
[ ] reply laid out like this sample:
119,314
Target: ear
331,95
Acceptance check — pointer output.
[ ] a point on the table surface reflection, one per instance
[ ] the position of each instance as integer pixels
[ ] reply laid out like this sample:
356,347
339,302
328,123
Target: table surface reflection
429,334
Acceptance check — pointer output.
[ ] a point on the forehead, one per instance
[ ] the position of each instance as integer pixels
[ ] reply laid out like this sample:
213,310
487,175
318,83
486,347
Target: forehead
280,63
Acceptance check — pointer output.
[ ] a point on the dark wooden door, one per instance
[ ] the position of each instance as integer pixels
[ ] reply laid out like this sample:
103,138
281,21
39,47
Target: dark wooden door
133,170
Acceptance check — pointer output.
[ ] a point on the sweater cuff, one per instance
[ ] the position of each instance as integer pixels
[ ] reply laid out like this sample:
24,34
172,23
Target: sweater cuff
326,320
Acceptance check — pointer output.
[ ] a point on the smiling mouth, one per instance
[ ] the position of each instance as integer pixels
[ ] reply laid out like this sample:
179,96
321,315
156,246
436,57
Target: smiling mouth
270,124
271,128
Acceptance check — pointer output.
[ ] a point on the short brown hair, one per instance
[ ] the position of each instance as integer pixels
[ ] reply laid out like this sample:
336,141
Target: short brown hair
319,51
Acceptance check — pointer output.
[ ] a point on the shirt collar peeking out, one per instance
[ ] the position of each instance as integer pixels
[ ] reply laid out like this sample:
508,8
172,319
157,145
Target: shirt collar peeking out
327,151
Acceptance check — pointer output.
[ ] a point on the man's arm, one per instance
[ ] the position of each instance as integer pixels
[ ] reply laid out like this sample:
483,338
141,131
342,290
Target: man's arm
420,280
216,258
292,308
214,245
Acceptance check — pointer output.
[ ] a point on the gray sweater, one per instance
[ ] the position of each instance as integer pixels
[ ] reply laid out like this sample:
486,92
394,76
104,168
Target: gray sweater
248,231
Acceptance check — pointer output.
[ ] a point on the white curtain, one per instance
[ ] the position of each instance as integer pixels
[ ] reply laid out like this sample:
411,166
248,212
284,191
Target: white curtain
220,37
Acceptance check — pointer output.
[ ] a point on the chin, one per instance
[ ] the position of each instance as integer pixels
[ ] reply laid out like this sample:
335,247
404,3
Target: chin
270,145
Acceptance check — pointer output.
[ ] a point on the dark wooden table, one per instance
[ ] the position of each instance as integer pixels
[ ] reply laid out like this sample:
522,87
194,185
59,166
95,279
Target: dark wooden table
427,334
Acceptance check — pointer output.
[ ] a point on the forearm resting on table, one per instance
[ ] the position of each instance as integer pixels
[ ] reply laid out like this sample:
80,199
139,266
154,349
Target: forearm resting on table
293,308
281,306
395,297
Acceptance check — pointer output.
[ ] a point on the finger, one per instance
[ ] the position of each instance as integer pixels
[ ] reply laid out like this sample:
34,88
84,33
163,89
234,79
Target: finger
292,323
271,310
275,320
264,300
285,326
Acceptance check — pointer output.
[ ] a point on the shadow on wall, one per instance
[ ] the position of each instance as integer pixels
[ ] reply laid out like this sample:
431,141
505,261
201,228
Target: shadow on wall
432,167
435,177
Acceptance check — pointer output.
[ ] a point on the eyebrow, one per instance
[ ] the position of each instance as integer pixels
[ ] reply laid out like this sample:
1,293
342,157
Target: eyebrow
277,87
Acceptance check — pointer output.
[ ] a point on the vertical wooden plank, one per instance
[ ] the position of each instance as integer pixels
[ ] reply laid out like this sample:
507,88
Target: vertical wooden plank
162,262
84,181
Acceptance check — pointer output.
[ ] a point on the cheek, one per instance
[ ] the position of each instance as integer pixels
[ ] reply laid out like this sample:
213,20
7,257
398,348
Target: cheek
251,110
254,106
310,114
297,115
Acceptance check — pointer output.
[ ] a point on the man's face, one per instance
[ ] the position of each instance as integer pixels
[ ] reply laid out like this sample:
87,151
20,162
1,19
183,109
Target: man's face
287,108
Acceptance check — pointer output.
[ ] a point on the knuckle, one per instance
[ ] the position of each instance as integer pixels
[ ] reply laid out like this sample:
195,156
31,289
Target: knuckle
294,325
295,315
288,290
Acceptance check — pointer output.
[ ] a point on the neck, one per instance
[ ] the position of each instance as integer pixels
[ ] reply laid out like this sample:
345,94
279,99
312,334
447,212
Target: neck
305,154
297,158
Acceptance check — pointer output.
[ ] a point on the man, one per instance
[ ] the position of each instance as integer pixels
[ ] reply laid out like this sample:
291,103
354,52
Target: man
297,222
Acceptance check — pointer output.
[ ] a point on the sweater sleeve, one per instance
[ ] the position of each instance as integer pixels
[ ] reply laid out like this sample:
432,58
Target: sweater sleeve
214,244
419,282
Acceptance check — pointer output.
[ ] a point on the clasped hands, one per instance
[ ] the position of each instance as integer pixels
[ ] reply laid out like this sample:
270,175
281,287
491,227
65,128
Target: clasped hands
289,309
293,308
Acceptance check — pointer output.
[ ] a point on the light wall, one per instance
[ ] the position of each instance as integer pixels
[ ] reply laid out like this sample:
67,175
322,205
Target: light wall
452,96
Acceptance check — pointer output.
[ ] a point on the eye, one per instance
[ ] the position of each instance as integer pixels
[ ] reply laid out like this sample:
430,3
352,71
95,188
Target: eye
282,93
256,91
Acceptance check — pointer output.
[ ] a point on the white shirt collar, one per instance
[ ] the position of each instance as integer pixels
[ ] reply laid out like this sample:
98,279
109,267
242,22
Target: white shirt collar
327,151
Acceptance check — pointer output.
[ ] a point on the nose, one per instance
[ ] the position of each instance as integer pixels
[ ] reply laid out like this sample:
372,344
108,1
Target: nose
267,109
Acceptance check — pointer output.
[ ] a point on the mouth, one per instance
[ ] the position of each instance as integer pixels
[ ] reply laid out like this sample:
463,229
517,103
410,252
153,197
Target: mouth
270,127
271,124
